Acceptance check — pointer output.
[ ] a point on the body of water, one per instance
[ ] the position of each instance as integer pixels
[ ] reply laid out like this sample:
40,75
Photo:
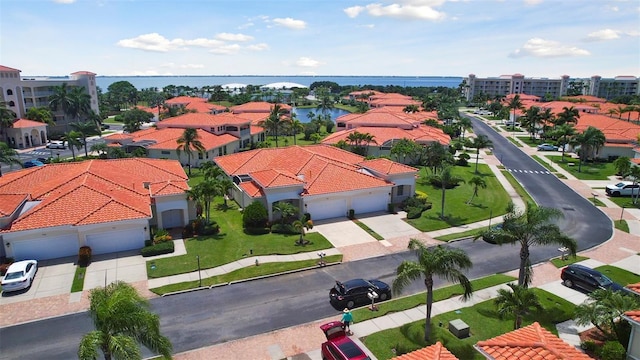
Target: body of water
143,82
302,114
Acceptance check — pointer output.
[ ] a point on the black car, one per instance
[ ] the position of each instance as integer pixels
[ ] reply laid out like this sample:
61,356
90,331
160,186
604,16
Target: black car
355,292
587,279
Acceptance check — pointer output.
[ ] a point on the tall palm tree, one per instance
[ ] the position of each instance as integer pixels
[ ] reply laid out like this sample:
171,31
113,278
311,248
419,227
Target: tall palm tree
566,133
81,102
476,182
62,99
8,156
634,173
275,121
569,115
122,321
326,104
465,124
85,129
437,261
514,104
479,142
531,227
301,225
7,117
589,142
73,140
187,142
447,181
296,127
531,120
517,303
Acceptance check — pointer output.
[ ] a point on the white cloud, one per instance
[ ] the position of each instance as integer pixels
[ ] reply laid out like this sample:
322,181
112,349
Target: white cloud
64,1
533,2
258,47
409,9
538,47
233,37
158,43
308,62
604,34
226,49
290,23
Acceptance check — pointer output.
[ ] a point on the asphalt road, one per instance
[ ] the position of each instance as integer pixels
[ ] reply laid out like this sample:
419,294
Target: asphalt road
226,313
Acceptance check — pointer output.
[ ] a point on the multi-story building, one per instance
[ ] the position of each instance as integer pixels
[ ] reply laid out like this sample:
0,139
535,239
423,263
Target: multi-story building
610,88
515,84
20,93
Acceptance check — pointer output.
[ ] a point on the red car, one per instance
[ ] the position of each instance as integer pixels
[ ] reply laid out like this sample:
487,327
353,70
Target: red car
338,345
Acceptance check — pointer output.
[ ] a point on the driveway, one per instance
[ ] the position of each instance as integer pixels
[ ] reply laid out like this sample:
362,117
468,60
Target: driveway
388,225
54,277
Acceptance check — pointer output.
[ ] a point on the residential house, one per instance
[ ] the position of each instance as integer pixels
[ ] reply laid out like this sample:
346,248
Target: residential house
110,205
529,342
194,104
321,180
633,317
26,133
436,351
621,136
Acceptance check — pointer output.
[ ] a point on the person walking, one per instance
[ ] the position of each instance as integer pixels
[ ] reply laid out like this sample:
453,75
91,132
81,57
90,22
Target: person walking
347,319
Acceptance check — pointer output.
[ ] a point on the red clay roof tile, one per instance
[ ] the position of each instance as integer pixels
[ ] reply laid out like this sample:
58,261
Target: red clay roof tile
436,351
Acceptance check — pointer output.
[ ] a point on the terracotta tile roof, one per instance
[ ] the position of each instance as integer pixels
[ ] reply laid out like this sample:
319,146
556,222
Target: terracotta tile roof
436,351
25,123
9,203
252,189
586,98
556,107
6,68
634,287
633,315
382,119
385,135
323,169
93,191
387,167
166,139
523,97
118,136
153,110
615,130
82,73
203,121
184,100
529,342
257,106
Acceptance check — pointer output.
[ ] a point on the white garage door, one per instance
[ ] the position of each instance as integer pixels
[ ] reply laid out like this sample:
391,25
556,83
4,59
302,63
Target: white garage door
46,248
114,241
326,209
172,218
371,203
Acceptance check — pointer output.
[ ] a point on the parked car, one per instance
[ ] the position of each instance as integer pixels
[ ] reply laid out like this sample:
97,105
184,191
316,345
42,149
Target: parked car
355,292
105,127
547,147
32,163
511,123
623,188
56,144
490,236
338,345
588,279
19,275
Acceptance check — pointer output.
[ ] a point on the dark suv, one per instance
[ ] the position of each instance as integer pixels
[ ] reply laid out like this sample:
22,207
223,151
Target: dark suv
355,292
588,279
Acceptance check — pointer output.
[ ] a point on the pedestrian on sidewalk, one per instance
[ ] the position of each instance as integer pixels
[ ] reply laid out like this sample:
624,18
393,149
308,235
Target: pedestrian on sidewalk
347,319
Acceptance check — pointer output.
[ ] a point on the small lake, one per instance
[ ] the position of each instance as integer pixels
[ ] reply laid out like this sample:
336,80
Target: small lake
301,114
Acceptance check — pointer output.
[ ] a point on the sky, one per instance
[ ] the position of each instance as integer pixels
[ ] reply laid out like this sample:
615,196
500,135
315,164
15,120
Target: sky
537,38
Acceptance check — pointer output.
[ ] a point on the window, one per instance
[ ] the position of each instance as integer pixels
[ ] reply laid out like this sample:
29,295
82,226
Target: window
200,157
165,152
400,190
9,92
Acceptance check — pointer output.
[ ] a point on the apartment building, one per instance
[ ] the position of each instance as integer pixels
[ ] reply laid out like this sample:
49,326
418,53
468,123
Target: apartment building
20,93
515,84
612,87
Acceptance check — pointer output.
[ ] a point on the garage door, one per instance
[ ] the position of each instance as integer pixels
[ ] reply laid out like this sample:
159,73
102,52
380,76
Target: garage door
372,203
113,241
46,248
172,218
327,209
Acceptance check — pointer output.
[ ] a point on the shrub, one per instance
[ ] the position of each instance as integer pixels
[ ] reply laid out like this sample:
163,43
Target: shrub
307,217
391,209
84,256
589,346
283,229
255,215
158,249
435,181
211,229
161,236
463,159
352,214
187,231
414,212
612,350
257,230
197,225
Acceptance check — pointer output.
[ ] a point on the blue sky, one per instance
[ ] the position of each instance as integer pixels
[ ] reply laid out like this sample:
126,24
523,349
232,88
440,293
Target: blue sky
537,38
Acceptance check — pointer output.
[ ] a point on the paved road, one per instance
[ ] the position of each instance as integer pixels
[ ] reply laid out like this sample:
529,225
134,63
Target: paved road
198,319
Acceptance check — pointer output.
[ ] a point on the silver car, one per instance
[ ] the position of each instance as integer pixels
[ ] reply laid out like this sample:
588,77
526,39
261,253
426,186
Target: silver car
19,275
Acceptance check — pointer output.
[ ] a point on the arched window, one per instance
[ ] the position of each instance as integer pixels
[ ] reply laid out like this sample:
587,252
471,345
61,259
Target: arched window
9,92
12,103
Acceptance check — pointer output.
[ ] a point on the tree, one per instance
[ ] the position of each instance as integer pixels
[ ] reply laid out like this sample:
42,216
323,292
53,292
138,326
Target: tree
622,165
589,142
476,182
604,308
465,124
7,117
569,115
447,181
275,121
479,142
436,156
187,142
634,173
566,133
531,120
100,148
407,151
81,102
437,261
85,129
285,210
134,118
296,127
122,321
301,225
531,227
517,303
325,104
514,104
62,99
40,114
8,156
120,93
73,140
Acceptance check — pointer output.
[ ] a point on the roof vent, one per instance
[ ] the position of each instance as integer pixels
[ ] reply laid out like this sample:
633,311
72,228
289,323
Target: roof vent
146,184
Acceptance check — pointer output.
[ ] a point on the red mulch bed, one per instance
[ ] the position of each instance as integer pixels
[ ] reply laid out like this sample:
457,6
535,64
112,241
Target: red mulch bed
594,335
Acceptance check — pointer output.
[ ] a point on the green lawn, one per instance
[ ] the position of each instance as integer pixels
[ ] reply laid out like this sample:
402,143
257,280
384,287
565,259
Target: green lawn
78,279
621,276
621,225
624,202
483,321
490,201
559,263
589,171
370,231
543,163
231,244
462,235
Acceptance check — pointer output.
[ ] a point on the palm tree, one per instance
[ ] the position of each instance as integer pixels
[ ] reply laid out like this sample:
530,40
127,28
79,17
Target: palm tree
532,227
7,117
517,303
566,133
569,115
62,99
81,102
296,127
465,124
634,173
73,140
476,182
532,118
479,142
604,309
85,129
122,321
447,181
514,104
589,142
301,225
100,148
8,156
438,261
326,104
285,210
188,141
275,121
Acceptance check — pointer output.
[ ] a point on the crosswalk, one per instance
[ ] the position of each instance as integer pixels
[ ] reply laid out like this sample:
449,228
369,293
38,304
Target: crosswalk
529,171
47,153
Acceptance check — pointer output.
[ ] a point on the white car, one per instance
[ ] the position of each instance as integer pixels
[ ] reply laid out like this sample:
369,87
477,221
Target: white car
56,144
19,275
623,188
547,147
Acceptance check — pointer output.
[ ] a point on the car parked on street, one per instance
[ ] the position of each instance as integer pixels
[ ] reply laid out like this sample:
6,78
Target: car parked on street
56,144
547,147
623,188
588,279
19,275
32,163
355,292
338,345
